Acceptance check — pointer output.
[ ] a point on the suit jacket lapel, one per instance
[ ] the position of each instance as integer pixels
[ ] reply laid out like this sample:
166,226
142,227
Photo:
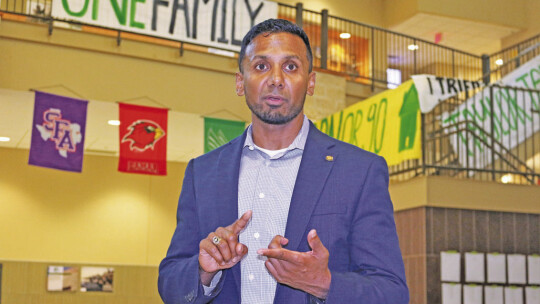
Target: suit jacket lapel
227,187
312,175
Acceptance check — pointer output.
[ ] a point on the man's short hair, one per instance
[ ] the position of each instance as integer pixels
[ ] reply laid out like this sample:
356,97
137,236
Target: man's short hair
271,26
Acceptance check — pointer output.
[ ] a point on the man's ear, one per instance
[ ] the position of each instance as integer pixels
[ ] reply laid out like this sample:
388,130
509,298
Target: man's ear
239,84
311,84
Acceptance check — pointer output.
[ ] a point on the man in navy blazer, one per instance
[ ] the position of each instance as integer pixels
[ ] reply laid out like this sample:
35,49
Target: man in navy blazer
340,243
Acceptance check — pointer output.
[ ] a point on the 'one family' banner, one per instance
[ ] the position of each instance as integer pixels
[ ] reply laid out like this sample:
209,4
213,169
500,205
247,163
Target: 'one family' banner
217,23
387,124
218,132
58,132
143,139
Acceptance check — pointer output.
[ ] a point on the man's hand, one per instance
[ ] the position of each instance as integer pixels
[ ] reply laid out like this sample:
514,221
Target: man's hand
226,253
307,271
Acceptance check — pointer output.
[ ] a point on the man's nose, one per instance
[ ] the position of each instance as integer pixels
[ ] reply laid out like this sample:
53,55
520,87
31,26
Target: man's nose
276,78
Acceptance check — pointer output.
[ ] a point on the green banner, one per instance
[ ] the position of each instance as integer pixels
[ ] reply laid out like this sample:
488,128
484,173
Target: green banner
218,132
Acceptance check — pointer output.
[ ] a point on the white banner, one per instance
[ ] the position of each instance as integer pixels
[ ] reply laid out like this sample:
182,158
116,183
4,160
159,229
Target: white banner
216,23
432,89
514,119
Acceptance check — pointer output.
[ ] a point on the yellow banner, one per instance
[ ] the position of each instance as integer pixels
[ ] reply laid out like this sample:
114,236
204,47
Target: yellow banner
387,124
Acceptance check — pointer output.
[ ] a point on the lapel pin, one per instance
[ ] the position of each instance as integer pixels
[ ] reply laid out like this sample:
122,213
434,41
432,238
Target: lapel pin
329,158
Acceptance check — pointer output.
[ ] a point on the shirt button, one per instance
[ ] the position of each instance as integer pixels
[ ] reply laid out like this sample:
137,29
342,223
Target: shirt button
256,235
251,148
267,163
251,277
261,195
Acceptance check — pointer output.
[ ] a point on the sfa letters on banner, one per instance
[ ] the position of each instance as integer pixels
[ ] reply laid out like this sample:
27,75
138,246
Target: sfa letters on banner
218,23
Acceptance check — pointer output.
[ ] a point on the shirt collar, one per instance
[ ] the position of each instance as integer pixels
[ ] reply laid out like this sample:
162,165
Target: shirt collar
299,141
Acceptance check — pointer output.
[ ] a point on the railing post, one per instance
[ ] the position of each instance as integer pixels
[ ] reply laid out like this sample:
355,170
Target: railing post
299,14
414,54
486,71
518,57
423,134
373,60
492,127
324,39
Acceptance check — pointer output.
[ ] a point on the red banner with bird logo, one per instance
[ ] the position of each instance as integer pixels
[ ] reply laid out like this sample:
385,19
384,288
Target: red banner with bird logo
143,140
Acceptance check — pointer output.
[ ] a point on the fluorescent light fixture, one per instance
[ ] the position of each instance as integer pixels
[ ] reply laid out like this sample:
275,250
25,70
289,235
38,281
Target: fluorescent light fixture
345,35
506,178
499,61
4,139
412,47
114,122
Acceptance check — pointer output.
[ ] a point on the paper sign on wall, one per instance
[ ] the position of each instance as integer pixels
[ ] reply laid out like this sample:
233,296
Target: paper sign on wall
496,268
516,269
474,267
450,266
532,294
533,263
494,294
451,293
513,295
472,294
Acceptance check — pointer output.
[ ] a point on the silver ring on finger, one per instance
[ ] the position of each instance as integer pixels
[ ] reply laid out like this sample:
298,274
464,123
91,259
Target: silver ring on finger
216,239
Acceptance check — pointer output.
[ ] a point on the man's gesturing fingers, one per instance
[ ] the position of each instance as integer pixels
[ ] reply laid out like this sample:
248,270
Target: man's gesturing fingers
282,254
277,242
316,245
221,249
240,223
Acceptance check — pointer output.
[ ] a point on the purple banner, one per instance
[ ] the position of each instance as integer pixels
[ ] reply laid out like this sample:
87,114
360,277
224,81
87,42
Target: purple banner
58,132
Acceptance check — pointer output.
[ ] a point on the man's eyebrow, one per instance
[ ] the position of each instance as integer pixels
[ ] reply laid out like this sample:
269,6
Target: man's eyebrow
264,57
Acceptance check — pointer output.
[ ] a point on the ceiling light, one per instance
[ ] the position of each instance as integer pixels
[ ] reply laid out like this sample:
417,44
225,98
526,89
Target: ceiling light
506,178
499,61
114,122
412,47
4,139
345,35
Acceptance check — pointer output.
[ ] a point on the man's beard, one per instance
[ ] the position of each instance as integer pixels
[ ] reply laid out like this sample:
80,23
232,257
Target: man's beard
274,117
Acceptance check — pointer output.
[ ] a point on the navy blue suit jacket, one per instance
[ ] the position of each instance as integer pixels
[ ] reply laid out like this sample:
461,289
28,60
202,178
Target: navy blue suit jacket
345,198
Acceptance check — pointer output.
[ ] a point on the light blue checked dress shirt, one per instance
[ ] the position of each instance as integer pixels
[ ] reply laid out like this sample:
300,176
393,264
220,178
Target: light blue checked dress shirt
265,186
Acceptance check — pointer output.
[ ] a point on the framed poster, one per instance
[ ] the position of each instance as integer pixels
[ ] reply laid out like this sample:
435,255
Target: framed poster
98,279
62,278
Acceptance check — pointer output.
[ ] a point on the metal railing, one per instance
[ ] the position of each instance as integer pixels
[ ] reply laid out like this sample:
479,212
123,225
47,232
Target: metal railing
364,53
465,138
507,60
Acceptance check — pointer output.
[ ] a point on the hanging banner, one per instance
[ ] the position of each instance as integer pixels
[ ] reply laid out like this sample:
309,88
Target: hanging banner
513,116
58,131
432,89
220,24
218,132
387,124
143,140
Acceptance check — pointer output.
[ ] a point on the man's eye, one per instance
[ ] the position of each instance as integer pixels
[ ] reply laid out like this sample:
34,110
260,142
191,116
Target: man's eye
290,67
260,66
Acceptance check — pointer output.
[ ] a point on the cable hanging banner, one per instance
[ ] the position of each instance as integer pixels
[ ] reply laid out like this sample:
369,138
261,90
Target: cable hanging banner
217,23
